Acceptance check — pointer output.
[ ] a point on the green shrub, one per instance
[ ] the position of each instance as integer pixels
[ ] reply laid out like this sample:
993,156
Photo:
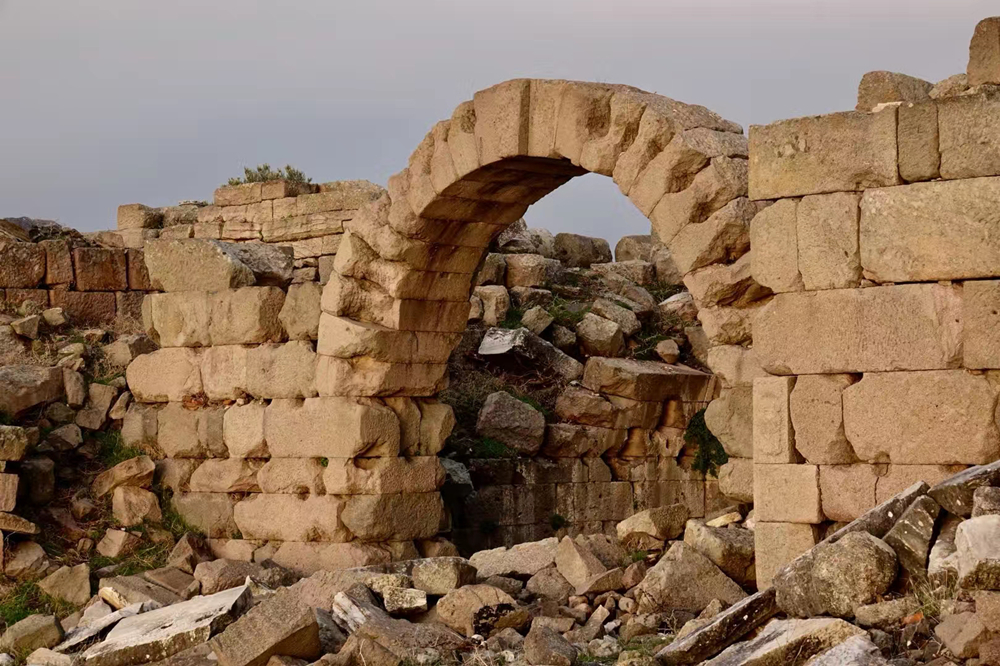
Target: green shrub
487,447
263,173
557,522
709,453
513,318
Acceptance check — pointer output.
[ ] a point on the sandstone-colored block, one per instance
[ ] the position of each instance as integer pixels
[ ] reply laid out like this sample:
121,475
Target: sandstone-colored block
238,195
930,231
882,87
191,433
917,135
818,419
382,476
934,417
501,113
775,259
246,316
302,428
178,319
232,475
347,338
734,365
365,376
736,479
138,276
296,476
833,153
981,324
773,436
531,270
725,235
393,517
726,325
199,265
357,299
437,420
291,518
723,180
100,269
282,370
496,303
984,53
777,544
900,477
165,375
210,513
58,262
224,371
848,491
300,312
787,493
730,417
22,265
641,380
138,216
827,232
903,327
91,308
243,430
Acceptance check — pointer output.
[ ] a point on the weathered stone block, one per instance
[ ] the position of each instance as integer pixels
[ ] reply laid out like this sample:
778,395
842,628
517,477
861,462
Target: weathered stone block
935,417
773,437
243,431
376,476
364,376
88,308
818,419
191,433
291,518
292,476
848,491
777,544
882,87
165,375
231,475
58,262
787,493
282,370
730,417
22,265
904,327
393,517
917,135
736,479
100,269
300,312
981,324
195,265
295,428
224,371
984,53
930,231
210,513
641,380
827,233
774,259
833,153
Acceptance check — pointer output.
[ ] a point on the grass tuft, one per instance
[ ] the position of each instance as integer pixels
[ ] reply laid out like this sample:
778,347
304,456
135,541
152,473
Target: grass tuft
28,599
112,450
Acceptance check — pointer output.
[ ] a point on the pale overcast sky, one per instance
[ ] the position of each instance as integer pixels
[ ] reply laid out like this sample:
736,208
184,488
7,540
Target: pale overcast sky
117,101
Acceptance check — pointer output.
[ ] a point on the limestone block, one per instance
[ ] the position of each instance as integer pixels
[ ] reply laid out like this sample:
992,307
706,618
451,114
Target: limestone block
723,180
195,265
726,325
59,262
210,513
138,216
773,436
934,417
191,433
724,236
919,152
600,153
827,233
672,170
139,426
238,195
777,544
501,117
364,376
243,430
818,419
579,405
903,327
930,231
725,284
300,312
378,476
175,473
735,365
883,87
348,297
736,479
165,375
224,371
232,475
730,417
599,336
291,518
980,330
437,420
649,381
393,517
496,303
347,338
178,319
531,270
100,269
575,250
848,491
787,493
900,477
246,316
23,265
282,370
833,153
774,260
296,476
82,307
984,53
301,428
566,440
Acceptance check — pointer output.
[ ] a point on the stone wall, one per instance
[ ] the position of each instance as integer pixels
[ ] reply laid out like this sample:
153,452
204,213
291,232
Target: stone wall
881,246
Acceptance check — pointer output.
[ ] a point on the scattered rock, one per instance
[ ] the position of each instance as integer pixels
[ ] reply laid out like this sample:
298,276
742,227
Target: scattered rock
136,472
684,579
71,584
512,422
31,633
116,543
281,624
721,631
661,523
543,646
788,642
480,609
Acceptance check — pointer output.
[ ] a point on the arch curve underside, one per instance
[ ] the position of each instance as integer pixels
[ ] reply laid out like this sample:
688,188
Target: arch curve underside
398,300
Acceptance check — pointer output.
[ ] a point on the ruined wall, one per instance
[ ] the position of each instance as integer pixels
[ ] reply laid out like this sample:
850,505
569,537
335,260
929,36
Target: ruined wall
882,248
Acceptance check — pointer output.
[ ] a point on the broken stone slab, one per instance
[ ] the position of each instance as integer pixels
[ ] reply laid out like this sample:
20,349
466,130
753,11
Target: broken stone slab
281,624
441,575
403,601
912,535
11,523
661,523
480,609
527,347
31,633
885,615
136,471
522,560
855,651
577,564
880,519
787,642
122,591
723,630
985,501
180,583
641,380
163,632
222,574
85,631
189,551
71,584
729,548
511,422
977,554
684,579
25,386
962,634
47,657
955,495
942,562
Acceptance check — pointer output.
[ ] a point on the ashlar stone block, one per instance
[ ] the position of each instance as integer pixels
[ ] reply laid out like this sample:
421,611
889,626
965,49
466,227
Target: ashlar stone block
787,493
981,324
773,436
774,256
777,544
818,419
303,428
827,234
848,491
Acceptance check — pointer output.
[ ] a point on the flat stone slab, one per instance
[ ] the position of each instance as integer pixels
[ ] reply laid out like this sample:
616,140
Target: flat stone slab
166,631
955,494
787,642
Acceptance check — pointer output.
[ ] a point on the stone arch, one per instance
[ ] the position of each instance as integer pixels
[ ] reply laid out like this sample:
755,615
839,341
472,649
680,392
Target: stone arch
398,299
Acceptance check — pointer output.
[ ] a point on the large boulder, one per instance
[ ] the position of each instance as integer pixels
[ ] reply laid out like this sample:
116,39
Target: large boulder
523,560
661,523
575,250
480,609
512,422
730,548
684,579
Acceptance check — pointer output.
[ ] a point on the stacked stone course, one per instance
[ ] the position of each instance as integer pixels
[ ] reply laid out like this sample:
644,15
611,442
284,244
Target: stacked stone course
881,248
